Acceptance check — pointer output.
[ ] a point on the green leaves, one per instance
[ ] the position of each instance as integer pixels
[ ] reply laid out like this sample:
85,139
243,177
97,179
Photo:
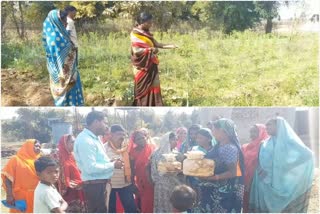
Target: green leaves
32,123
227,16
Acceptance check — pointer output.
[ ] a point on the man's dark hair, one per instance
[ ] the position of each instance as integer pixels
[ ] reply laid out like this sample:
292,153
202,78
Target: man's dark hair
172,135
144,17
70,9
43,162
63,15
195,127
94,115
183,198
116,128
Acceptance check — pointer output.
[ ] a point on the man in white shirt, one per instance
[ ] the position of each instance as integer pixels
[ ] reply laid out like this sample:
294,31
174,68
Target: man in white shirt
116,148
72,11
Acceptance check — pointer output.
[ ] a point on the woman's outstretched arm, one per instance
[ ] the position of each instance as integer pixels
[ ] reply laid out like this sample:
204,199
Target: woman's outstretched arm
164,46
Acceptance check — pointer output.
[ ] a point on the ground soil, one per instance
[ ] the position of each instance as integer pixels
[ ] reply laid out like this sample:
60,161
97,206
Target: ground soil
23,89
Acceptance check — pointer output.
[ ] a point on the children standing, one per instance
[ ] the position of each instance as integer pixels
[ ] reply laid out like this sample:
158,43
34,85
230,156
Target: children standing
72,11
46,197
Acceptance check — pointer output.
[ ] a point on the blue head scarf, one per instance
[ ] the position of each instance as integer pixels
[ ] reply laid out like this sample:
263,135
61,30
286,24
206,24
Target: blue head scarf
229,128
207,133
289,166
59,52
57,43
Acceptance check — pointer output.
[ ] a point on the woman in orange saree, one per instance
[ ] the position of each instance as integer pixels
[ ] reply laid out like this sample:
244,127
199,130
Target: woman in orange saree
19,178
144,49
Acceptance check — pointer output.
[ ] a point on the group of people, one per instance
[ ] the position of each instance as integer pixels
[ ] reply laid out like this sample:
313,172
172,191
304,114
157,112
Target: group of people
100,171
61,46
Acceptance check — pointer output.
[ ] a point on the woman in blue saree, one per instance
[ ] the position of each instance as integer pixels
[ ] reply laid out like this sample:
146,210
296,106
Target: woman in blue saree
283,179
62,61
222,192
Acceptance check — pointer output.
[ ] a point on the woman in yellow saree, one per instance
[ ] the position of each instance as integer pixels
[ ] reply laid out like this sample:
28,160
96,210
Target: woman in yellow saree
19,178
144,49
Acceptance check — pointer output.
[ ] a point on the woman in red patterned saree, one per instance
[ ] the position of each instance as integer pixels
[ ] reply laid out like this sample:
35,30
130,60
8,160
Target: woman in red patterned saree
144,49
70,179
140,153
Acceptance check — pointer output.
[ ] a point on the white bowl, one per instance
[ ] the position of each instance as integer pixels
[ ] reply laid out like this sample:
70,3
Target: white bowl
46,151
194,155
170,157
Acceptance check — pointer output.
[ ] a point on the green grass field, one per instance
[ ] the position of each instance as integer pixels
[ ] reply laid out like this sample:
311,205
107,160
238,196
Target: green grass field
209,69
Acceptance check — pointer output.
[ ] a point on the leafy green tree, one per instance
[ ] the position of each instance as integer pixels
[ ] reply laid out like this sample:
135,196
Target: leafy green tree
16,12
195,119
267,10
164,13
32,123
132,120
38,11
226,16
88,9
150,120
169,122
5,11
184,120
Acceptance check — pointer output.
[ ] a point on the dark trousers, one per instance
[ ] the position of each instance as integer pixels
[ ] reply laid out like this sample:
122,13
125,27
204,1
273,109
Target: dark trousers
126,198
95,197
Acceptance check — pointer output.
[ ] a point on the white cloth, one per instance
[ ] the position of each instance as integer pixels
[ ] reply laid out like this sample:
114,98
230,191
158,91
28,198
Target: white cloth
73,33
107,195
118,178
46,198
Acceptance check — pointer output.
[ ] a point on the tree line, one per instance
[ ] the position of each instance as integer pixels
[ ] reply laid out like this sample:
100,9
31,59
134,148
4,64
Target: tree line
225,16
34,123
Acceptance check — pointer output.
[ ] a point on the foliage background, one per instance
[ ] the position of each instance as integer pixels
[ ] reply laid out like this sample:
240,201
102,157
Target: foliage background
228,55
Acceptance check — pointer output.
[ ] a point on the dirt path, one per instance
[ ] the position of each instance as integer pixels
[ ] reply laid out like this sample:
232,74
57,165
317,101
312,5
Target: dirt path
22,89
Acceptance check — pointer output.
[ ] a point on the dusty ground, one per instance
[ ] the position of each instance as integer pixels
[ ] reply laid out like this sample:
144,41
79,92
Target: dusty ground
8,150
23,90
314,200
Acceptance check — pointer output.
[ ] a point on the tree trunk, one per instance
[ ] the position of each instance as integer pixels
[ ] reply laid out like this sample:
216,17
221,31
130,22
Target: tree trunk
4,14
269,25
23,32
14,18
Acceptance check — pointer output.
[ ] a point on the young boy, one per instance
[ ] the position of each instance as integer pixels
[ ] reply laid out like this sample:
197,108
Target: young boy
72,11
182,198
46,197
